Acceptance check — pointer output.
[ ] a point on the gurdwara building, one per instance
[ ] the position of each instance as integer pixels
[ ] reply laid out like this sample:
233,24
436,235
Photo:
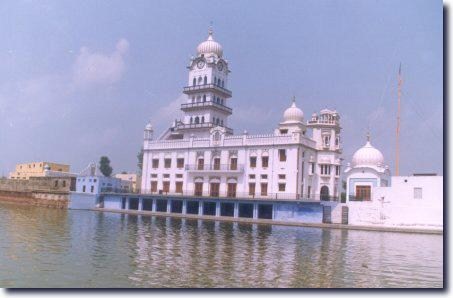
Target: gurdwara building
200,155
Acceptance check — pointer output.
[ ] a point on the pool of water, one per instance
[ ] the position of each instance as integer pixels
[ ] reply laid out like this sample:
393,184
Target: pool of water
42,247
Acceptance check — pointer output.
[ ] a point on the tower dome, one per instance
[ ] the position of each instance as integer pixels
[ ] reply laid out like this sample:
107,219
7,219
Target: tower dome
293,114
210,46
368,156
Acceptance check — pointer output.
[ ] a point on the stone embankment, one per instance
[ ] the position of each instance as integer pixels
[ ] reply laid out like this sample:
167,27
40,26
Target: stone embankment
45,192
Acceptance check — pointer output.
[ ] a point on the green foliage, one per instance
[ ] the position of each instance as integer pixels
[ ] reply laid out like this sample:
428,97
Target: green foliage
104,166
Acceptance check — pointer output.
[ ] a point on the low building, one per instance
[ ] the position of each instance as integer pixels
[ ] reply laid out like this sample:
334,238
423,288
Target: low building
374,198
36,169
131,181
91,180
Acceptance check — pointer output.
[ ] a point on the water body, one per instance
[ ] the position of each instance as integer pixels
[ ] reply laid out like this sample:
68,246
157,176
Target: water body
42,247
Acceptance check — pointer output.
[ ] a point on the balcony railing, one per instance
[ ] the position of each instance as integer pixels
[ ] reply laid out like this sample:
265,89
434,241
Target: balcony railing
214,167
192,89
187,106
181,125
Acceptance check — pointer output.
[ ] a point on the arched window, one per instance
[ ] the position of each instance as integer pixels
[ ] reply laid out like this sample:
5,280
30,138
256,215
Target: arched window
205,80
215,80
218,100
194,82
218,121
202,119
213,120
204,97
198,99
199,80
197,120
324,193
191,120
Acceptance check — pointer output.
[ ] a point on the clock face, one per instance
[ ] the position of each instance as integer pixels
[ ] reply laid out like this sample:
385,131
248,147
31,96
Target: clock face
200,64
220,66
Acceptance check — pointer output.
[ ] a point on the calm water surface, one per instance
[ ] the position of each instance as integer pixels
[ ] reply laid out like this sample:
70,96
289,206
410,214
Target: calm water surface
42,247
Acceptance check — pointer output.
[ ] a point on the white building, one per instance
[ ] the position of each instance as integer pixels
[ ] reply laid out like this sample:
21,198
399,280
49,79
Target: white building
199,155
376,199
92,181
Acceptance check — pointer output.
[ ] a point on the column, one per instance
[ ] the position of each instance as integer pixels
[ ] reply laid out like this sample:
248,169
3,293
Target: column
236,210
154,205
168,205
217,208
127,203
255,210
200,208
184,206
140,203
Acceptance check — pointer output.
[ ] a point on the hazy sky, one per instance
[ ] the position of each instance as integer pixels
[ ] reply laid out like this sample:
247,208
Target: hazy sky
342,55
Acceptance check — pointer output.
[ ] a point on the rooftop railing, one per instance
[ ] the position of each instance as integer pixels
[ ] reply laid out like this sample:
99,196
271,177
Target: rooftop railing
191,89
214,167
186,106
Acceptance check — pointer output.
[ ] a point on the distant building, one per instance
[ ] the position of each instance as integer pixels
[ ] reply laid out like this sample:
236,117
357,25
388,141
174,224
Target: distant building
132,180
37,169
92,181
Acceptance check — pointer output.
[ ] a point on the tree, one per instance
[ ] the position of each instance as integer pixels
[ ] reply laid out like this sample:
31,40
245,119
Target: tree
140,161
104,166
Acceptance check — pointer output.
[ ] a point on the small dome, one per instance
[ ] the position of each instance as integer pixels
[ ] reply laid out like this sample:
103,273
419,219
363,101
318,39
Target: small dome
46,167
293,114
368,156
148,126
210,46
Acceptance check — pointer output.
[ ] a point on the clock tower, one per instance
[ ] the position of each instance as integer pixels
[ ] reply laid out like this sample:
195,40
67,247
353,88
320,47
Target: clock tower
206,105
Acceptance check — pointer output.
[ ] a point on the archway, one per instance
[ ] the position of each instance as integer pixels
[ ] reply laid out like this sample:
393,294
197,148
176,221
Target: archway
324,193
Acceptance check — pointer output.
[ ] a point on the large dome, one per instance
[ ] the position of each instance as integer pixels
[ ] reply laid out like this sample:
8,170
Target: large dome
368,156
293,114
210,46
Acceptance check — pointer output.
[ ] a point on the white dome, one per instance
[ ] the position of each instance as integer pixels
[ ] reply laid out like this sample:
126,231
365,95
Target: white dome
293,114
148,126
210,46
368,156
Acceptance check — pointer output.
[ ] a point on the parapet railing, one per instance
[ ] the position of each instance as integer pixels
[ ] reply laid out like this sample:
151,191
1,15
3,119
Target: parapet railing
190,89
205,104
214,167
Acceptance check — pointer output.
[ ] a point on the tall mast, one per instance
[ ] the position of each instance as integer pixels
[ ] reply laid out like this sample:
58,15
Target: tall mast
397,163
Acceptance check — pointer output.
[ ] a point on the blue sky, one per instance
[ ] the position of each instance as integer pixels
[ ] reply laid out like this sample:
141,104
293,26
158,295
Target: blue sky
342,55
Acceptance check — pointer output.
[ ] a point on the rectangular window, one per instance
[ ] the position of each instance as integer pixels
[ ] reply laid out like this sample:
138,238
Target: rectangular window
231,190
153,175
253,162
180,163
418,193
153,186
167,163
264,189
216,164
251,189
282,154
84,188
265,161
92,188
214,189
252,176
179,187
166,186
363,192
281,176
166,175
308,191
198,188
178,175
337,170
263,176
155,163
64,183
312,166
200,164
234,164
281,186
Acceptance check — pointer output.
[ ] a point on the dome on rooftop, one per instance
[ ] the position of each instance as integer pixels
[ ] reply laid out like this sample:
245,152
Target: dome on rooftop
210,46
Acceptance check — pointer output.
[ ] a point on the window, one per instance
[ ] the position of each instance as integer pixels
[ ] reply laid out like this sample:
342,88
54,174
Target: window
216,163
166,175
264,189
325,169
64,183
253,162
308,191
178,187
265,161
264,176
231,192
153,175
166,186
95,180
326,141
178,175
363,192
194,82
251,189
283,131
234,164
198,188
281,176
155,163
252,176
214,189
200,165
312,168
180,163
84,188
205,80
56,183
337,170
204,97
92,188
418,194
282,154
153,186
202,119
281,186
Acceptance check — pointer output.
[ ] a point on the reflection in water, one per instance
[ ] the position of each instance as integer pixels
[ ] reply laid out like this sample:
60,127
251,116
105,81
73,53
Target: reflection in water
56,248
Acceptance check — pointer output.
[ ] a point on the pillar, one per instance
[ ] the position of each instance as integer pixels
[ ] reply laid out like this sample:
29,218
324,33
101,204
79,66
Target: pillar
184,206
236,210
154,205
255,210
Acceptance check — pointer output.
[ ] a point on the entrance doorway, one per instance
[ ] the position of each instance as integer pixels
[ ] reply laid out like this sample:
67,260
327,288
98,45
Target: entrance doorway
324,193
